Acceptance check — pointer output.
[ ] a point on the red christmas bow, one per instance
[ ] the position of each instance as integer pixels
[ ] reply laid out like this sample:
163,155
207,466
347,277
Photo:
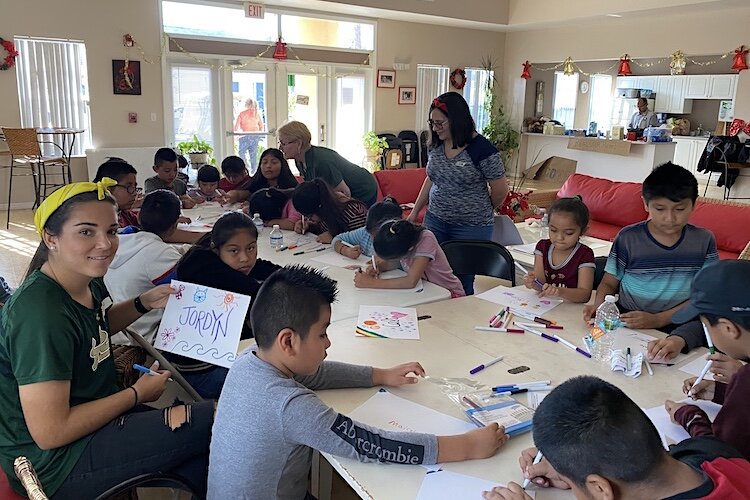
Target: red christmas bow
738,126
437,103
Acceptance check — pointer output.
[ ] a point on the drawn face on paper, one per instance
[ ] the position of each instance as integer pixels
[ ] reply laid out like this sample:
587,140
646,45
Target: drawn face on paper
200,294
240,251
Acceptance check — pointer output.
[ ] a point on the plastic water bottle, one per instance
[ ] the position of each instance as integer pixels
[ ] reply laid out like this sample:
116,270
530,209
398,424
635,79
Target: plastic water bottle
544,226
258,222
277,237
608,320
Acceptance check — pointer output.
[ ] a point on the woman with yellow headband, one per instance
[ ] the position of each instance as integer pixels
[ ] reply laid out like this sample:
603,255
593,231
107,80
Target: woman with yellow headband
59,402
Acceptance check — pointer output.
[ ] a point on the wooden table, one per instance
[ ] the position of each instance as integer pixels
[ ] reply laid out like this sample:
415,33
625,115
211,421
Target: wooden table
448,349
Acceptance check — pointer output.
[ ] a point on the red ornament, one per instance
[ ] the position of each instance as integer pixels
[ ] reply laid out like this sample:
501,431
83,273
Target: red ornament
127,40
526,73
10,60
624,69
739,63
458,78
280,51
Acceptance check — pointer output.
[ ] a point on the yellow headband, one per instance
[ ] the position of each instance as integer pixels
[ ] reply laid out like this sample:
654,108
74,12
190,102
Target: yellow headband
56,199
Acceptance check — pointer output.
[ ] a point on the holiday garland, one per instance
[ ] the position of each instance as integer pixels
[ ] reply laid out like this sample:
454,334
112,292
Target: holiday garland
10,59
454,81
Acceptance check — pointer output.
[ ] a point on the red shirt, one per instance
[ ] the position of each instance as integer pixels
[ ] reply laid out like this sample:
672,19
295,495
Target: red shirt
127,218
566,274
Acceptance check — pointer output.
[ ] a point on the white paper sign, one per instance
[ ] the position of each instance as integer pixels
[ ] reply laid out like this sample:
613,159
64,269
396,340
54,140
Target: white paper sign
521,299
696,366
388,322
672,433
202,323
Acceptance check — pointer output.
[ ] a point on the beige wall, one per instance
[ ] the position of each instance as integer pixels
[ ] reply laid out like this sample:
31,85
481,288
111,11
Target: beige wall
425,44
694,34
487,11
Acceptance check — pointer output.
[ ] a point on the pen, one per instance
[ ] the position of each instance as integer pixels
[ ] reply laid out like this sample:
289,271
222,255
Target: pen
481,367
497,329
504,391
537,459
711,347
541,325
527,384
346,243
628,360
525,272
533,318
540,334
700,377
531,388
374,266
304,230
282,248
648,366
472,403
572,346
147,371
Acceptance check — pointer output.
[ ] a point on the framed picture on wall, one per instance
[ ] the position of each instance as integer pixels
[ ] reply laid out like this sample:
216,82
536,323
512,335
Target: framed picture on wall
126,79
386,79
407,95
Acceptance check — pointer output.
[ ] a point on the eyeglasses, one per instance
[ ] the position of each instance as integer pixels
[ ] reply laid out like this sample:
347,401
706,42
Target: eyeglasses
130,189
437,123
282,143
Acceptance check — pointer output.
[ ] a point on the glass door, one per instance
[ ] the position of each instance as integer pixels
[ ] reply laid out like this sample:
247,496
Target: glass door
192,103
250,116
351,117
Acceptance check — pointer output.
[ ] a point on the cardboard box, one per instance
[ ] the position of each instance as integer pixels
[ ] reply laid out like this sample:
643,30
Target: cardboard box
551,173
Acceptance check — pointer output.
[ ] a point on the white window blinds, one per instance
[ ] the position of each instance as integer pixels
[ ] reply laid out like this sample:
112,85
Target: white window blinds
53,87
476,94
431,82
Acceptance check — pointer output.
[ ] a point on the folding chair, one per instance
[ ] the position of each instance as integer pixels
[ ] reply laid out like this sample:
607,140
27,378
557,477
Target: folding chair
600,263
485,258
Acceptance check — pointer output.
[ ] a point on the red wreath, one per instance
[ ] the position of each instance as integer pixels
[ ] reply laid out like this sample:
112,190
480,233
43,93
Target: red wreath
10,59
454,81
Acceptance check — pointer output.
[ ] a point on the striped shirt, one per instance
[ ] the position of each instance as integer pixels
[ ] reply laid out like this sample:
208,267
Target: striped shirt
354,216
654,278
360,237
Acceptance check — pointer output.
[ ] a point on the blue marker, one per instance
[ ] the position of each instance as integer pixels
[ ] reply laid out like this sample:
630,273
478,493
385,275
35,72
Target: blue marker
147,371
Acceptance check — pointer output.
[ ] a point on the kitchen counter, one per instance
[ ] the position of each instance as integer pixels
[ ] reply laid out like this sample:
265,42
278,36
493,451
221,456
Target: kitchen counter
610,159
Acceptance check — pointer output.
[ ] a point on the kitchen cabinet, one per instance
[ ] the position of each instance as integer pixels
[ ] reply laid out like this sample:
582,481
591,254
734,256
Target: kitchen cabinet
647,82
722,86
688,151
698,86
670,95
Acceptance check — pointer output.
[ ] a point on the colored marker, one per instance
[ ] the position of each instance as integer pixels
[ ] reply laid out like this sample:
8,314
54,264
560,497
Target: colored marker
346,243
541,325
533,318
572,346
700,377
540,334
537,459
481,367
525,272
497,329
304,229
472,403
628,360
374,265
711,347
648,367
532,388
282,248
527,384
147,371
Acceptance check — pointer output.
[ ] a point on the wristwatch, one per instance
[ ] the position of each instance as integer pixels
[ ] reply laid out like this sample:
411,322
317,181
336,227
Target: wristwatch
139,305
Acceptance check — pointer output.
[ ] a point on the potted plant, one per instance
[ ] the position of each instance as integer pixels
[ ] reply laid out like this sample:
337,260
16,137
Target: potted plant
374,146
198,150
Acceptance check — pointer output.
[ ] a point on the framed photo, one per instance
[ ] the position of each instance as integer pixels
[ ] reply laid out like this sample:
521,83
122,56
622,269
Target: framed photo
126,80
407,95
386,79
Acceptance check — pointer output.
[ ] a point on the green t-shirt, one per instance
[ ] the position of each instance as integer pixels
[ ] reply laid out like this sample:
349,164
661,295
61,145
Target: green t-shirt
334,168
46,335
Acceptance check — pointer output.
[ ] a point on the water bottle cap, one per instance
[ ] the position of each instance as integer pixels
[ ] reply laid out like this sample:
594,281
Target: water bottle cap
275,226
610,298
256,216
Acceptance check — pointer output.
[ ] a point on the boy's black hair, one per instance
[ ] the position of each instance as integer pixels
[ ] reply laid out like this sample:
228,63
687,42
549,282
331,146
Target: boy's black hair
269,203
588,426
315,197
394,239
114,168
160,211
182,162
575,206
233,165
208,173
740,321
460,121
290,298
388,209
164,155
672,182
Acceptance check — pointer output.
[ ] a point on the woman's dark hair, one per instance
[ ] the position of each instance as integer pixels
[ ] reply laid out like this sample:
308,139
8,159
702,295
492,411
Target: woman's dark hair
575,206
462,126
228,225
57,220
395,238
315,197
286,178
208,173
268,202
388,209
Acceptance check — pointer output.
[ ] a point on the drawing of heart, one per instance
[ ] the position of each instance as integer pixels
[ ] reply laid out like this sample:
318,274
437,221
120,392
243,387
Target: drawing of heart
545,302
370,322
397,315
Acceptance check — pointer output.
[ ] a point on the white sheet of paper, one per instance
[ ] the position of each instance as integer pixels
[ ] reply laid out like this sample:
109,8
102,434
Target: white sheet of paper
387,322
521,299
672,433
202,323
338,260
696,366
527,248
447,485
534,398
638,342
394,273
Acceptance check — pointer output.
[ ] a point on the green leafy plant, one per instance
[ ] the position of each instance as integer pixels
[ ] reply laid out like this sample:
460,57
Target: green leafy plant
500,131
374,144
196,146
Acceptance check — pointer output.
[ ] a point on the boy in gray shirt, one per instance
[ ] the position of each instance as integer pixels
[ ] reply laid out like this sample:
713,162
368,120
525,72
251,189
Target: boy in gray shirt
269,420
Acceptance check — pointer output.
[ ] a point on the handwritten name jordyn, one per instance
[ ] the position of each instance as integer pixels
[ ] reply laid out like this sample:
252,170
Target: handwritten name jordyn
209,323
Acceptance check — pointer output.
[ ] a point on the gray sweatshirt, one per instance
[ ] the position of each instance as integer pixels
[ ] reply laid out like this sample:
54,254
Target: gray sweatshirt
267,425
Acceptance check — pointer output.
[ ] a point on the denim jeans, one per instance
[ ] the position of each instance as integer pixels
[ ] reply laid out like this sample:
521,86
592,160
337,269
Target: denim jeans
249,144
446,232
207,383
140,442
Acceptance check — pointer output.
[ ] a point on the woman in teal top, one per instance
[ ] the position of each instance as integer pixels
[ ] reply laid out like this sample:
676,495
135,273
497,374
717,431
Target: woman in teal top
316,161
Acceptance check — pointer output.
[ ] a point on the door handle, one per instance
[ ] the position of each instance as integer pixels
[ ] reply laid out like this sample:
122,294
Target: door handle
323,134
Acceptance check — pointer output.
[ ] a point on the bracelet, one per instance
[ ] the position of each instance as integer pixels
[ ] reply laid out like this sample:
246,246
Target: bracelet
139,305
135,393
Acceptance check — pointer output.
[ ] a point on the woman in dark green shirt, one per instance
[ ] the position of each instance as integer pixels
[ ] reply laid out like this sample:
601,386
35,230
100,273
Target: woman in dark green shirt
316,161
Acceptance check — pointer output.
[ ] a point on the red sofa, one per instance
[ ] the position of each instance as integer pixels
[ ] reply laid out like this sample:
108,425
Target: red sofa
614,205
403,184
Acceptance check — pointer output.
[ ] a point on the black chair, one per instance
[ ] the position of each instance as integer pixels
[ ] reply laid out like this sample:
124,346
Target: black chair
600,262
410,142
149,480
424,136
482,257
392,156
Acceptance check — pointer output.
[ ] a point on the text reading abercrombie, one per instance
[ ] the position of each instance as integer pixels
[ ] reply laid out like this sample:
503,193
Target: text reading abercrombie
374,446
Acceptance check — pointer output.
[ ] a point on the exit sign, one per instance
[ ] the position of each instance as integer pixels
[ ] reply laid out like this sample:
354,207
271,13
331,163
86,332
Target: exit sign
255,10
